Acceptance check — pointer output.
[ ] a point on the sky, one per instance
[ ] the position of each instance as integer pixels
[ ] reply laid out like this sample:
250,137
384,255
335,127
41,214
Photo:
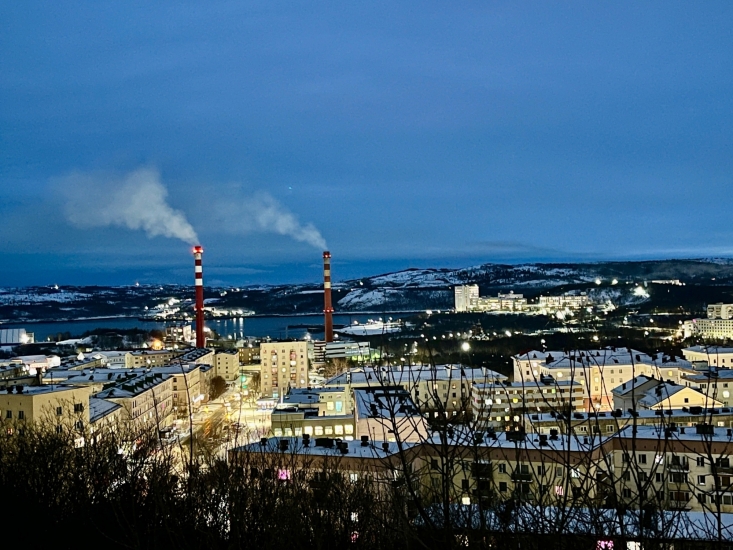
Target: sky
411,134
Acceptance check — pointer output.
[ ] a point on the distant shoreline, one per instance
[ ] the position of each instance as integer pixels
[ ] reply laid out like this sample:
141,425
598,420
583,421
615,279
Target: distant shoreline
19,324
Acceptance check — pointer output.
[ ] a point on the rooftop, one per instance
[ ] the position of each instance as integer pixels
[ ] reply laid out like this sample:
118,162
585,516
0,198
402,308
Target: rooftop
412,374
324,446
99,408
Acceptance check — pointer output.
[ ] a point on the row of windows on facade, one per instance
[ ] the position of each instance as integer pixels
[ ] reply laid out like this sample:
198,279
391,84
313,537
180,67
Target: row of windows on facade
676,460
78,408
338,429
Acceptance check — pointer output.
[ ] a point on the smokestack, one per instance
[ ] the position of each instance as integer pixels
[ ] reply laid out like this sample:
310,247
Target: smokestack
198,251
327,307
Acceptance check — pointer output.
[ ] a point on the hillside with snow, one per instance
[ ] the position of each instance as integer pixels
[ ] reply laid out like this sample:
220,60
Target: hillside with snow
705,281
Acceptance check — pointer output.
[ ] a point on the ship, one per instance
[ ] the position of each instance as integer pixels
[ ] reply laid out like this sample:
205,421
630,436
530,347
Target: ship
372,328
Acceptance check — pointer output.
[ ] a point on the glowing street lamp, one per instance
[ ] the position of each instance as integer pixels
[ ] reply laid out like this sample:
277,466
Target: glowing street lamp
465,346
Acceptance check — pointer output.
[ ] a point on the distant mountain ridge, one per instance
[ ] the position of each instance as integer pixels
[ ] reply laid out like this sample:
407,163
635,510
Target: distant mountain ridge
408,289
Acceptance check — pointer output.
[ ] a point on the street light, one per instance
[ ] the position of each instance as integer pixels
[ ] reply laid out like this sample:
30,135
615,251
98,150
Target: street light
465,346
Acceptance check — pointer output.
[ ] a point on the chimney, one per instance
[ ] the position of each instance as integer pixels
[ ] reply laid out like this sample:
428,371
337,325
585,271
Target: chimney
198,251
327,307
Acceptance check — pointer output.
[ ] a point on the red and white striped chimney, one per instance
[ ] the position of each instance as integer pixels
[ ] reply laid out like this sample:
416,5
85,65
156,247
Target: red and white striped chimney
198,251
327,307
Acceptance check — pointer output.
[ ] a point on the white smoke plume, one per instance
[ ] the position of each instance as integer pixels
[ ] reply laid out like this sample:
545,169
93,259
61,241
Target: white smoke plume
136,201
262,212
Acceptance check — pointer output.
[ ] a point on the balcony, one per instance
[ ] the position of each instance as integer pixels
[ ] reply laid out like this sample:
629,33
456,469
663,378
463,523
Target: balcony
678,466
521,477
482,470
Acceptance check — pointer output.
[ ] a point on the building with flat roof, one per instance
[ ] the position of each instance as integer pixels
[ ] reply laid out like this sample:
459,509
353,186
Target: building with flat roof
499,404
284,365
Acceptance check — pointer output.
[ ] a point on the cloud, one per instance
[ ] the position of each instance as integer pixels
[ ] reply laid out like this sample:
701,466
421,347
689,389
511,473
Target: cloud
136,201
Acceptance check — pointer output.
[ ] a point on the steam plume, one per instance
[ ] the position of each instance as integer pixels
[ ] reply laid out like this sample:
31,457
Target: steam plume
268,215
137,201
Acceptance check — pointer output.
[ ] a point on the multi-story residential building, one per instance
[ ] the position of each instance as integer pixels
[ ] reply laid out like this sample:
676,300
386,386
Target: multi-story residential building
713,329
151,358
438,389
563,301
714,356
249,354
598,371
465,297
604,424
668,468
714,383
317,412
146,399
643,392
720,311
226,363
284,365
199,356
387,413
677,468
56,405
498,404
116,359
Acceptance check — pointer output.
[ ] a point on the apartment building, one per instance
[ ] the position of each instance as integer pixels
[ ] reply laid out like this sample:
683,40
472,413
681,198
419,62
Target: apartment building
497,404
643,392
284,365
603,424
673,468
317,412
151,358
436,389
146,399
598,371
226,363
715,383
714,356
61,406
683,469
387,413
563,301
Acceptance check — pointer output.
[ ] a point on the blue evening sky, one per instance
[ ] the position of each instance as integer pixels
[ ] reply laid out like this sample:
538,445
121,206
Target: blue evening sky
408,133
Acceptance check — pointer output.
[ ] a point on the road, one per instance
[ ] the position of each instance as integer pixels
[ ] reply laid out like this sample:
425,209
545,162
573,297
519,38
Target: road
215,426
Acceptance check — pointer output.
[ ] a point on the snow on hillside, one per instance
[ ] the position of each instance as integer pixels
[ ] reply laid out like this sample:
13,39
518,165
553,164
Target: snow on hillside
30,297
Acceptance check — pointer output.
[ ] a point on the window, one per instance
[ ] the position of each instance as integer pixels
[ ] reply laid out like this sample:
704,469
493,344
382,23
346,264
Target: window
701,480
701,461
464,485
59,429
502,468
641,458
574,473
626,492
78,407
59,411
8,414
21,415
702,498
558,471
541,470
503,486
